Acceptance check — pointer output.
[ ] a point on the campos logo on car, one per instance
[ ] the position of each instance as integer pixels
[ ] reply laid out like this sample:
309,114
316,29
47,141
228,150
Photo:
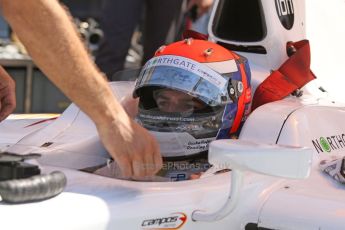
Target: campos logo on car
173,221
285,11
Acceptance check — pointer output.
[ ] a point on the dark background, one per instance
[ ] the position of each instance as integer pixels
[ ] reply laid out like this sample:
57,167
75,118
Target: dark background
46,98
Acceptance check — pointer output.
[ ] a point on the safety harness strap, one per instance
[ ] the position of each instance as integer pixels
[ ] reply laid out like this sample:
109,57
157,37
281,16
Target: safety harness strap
293,74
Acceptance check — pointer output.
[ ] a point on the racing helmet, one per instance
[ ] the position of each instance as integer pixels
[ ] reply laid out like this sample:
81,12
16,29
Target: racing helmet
209,87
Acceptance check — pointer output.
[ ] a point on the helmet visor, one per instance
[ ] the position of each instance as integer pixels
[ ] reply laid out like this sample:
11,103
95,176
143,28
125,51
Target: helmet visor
173,101
186,75
181,136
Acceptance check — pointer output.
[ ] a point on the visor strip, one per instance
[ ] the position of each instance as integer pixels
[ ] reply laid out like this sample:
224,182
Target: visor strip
190,65
223,66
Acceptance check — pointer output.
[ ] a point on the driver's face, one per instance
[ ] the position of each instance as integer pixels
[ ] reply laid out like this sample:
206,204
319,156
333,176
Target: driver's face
174,101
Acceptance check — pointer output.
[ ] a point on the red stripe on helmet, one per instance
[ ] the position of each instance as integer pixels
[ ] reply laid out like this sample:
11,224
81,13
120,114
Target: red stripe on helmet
241,101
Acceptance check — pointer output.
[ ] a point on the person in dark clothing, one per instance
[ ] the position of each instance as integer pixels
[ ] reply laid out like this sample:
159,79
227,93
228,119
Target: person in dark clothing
119,20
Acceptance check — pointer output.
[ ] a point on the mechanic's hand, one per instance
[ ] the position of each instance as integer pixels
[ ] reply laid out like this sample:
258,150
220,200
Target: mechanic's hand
202,5
132,147
130,105
7,94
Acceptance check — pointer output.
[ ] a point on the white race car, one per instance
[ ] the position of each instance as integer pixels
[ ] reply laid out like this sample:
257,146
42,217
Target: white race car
275,180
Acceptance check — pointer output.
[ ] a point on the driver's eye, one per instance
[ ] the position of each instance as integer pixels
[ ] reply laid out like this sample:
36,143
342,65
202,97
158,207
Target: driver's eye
182,106
187,106
163,105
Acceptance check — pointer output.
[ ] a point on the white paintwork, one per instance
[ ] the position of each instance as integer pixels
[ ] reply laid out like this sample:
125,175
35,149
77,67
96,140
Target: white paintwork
316,203
17,127
276,38
325,30
94,202
322,23
273,160
73,136
240,156
257,127
91,201
303,126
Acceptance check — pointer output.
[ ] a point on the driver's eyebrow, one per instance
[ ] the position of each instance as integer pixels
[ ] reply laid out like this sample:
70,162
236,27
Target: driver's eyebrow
162,97
165,97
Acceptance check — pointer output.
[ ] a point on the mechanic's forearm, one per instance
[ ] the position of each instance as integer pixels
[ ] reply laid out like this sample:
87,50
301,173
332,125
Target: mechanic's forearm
52,41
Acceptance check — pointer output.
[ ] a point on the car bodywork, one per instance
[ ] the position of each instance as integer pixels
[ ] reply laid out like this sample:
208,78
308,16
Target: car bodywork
275,182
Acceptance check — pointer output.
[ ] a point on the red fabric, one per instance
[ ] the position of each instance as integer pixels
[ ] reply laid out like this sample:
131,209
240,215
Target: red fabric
293,74
194,34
